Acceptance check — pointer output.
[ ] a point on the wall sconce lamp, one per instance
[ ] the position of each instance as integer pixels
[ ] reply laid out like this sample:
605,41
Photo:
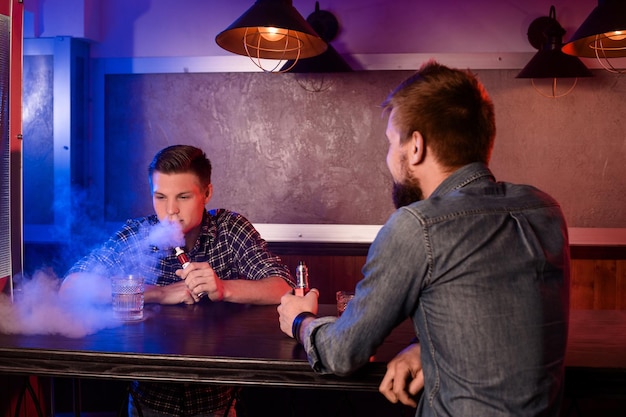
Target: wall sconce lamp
602,35
274,30
546,34
326,25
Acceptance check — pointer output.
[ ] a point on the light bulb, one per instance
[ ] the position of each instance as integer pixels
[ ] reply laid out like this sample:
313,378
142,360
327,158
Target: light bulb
617,35
272,34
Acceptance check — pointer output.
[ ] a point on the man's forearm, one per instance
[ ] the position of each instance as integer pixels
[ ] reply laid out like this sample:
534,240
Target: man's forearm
264,291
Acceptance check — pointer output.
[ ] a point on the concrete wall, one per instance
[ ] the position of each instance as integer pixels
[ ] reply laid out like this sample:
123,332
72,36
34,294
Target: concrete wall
285,154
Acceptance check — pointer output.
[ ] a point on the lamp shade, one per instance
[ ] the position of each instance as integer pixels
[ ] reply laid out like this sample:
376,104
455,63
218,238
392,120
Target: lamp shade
326,25
602,34
329,61
554,64
546,34
272,29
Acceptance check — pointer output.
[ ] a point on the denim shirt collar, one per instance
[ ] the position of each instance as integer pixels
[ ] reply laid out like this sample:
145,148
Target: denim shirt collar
462,177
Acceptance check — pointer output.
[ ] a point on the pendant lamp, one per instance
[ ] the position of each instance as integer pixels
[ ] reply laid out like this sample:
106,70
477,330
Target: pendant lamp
274,30
602,34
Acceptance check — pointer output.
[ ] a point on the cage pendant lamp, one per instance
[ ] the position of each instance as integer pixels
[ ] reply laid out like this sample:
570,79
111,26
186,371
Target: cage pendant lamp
273,30
602,34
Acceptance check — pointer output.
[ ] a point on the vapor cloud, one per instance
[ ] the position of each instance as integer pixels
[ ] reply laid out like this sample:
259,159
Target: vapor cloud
166,235
38,309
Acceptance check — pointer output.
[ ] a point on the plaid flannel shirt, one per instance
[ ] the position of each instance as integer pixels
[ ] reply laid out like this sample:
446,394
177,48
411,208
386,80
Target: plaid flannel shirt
233,248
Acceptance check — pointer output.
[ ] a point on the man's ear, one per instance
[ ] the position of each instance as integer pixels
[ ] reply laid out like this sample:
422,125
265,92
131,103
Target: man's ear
417,149
208,193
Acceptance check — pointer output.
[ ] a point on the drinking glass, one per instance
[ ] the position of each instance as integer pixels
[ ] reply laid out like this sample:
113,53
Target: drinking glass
343,298
127,292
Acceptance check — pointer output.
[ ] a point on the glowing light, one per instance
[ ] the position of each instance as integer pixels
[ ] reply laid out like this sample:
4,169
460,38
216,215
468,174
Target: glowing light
618,35
272,34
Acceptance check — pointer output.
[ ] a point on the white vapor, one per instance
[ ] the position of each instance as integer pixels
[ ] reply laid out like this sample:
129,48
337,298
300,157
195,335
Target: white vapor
85,308
38,309
166,235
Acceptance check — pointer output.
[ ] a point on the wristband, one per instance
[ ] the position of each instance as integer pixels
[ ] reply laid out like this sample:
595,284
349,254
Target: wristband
297,324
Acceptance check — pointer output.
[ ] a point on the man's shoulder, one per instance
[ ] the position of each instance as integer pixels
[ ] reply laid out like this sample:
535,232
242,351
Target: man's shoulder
144,220
224,215
138,223
485,197
526,196
224,218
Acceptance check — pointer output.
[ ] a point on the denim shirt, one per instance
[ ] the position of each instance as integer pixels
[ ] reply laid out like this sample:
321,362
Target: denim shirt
482,269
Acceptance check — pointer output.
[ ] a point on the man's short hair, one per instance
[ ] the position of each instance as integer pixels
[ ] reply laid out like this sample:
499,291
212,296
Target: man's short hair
451,110
178,159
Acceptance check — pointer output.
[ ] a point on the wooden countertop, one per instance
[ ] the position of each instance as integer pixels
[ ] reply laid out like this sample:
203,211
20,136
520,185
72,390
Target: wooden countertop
243,345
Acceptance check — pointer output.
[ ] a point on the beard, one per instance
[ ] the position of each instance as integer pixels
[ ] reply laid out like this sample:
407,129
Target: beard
409,190
406,193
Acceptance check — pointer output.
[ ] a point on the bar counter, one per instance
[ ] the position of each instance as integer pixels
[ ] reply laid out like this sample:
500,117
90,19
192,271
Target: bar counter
208,342
242,345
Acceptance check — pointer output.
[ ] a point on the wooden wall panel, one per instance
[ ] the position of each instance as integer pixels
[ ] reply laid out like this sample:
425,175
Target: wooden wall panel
581,284
620,273
605,285
596,284
329,273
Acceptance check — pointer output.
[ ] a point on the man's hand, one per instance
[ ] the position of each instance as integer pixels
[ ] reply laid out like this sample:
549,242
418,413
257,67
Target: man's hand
292,305
202,280
405,368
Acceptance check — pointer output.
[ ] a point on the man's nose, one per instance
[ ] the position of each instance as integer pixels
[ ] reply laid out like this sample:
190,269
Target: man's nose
172,209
